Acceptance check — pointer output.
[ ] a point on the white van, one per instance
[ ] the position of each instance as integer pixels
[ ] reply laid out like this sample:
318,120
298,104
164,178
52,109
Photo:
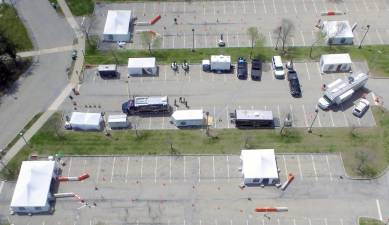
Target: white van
278,67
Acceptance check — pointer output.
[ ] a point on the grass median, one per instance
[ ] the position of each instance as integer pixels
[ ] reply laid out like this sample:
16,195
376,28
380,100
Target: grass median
369,221
365,151
376,56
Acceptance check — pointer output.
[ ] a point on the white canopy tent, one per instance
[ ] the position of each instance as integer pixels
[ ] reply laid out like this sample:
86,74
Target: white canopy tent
118,121
338,32
86,121
186,118
335,63
259,166
141,66
117,26
32,189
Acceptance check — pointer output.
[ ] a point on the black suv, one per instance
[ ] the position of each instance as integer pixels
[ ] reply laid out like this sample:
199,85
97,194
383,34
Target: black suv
294,83
256,69
242,68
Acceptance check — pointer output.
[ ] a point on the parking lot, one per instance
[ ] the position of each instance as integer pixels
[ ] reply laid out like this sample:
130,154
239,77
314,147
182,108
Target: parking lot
209,19
220,95
204,189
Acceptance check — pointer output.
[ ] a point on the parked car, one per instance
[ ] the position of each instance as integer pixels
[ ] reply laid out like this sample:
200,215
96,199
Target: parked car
242,68
278,67
221,42
256,69
361,108
294,83
74,54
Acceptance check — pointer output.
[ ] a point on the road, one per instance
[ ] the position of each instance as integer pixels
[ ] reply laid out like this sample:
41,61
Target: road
43,82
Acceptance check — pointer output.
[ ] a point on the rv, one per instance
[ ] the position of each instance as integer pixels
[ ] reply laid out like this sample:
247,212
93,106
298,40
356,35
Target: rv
340,91
148,104
253,118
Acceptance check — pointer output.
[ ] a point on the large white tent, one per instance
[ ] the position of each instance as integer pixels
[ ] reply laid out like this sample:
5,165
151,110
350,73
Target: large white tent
86,121
32,190
117,26
335,63
338,32
259,166
142,66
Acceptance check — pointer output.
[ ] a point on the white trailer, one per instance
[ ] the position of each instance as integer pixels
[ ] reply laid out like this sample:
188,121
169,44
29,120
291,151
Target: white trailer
142,66
117,26
218,63
338,32
86,121
340,91
188,118
335,63
118,121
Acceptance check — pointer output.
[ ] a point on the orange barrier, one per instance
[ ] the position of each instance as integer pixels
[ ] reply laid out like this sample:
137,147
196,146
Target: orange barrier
332,13
83,176
287,182
80,178
271,209
153,21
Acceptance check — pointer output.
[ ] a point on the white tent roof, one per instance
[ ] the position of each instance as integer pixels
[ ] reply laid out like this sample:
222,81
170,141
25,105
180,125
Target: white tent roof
259,163
336,59
80,118
340,29
118,22
33,185
193,114
117,118
141,62
221,58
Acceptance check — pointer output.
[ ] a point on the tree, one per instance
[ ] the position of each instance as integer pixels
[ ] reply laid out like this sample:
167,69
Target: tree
8,61
256,38
284,32
150,40
320,38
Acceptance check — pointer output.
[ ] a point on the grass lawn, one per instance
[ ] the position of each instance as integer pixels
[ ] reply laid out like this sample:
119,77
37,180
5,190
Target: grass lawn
372,142
13,28
378,62
369,221
81,7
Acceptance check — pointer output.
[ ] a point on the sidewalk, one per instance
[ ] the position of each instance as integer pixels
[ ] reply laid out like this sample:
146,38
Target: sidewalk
46,51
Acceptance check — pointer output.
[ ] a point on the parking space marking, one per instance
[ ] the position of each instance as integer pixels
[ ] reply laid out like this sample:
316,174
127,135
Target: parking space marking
170,169
314,5
379,36
205,40
306,67
292,39
325,221
379,209
302,36
291,113
203,9
98,171
70,166
314,168
271,41
279,114
214,116
329,168
237,37
332,119
214,8
184,40
318,69
144,8
233,7
294,6
164,8
213,169
376,6
364,3
149,123
286,169
174,38
359,121
228,169
341,222
344,115
155,169
184,169
264,6
305,116
141,168
318,120
224,8
199,169
228,121
128,162
113,168
284,6
255,9
274,7
184,7
299,166
309,221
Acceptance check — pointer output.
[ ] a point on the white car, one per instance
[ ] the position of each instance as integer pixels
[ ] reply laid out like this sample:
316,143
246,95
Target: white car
121,44
278,67
361,107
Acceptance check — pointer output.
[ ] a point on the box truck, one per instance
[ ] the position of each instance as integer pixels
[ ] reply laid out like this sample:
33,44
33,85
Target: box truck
147,104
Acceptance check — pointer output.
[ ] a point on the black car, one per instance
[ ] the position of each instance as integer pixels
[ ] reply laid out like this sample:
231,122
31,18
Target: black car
294,83
256,69
242,68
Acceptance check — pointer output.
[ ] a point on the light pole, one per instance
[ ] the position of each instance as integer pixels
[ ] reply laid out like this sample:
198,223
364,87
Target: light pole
24,139
313,121
193,30
367,30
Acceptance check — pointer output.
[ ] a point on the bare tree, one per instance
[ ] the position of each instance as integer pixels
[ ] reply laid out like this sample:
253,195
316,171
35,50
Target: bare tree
256,38
284,32
320,39
150,40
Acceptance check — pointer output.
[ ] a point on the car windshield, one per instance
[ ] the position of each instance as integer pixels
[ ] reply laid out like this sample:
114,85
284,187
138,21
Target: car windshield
279,68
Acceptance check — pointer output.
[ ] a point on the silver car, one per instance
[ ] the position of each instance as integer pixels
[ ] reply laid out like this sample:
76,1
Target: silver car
361,108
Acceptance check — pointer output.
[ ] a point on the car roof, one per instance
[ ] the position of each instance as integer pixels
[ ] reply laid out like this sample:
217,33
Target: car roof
277,59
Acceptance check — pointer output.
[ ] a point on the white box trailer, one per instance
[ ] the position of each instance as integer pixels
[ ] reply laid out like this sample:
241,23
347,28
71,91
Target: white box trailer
142,66
118,121
335,63
117,26
218,63
86,121
338,32
188,118
107,70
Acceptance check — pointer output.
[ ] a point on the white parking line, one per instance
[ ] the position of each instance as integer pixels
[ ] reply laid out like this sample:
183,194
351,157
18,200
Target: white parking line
279,114
203,9
294,6
184,7
359,121
264,6
379,209
309,221
228,169
376,6
228,119
233,6
364,3
184,169
274,7
113,168
306,67
163,122
1,186
271,41
314,6
314,168
341,222
286,169
98,171
174,38
379,37
155,169
318,69
227,39
237,37
170,169
329,168
332,119
213,169
299,165
214,8
292,39
224,8
302,37
255,9
318,120
144,8
184,40
164,8
305,116
325,221
305,7
291,113
199,169
141,168
214,116
205,39
70,166
149,123
244,7
128,162
284,6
